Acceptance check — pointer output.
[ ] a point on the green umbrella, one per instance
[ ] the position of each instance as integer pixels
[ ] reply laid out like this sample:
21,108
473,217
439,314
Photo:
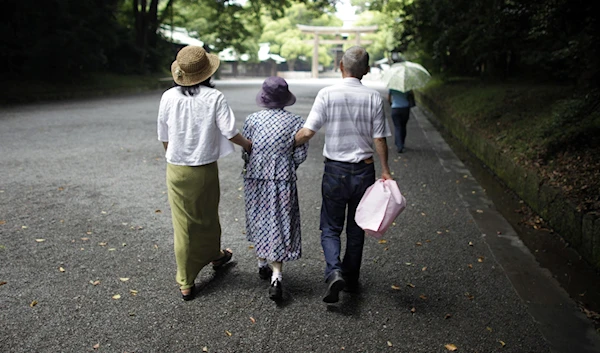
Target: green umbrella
405,76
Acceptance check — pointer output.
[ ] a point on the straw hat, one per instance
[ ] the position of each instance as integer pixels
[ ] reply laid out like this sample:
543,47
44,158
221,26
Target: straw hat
193,65
275,94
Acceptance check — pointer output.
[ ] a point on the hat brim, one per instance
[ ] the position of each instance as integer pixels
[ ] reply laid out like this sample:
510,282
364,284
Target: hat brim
260,101
193,79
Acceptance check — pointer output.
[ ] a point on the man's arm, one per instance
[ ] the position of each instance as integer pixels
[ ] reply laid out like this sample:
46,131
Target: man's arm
303,136
382,152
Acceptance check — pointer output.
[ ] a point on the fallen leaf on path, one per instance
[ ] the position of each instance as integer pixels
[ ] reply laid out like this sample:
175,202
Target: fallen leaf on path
470,266
252,319
451,347
96,346
3,283
158,211
413,310
408,263
33,303
155,246
424,268
2,222
502,343
439,232
469,296
479,211
123,279
133,292
24,227
112,249
228,333
410,285
103,212
423,296
40,240
423,214
95,283
386,249
102,244
61,269
447,316
204,349
250,246
382,241
88,233
419,243
480,259
116,296
389,344
395,287
470,243
85,239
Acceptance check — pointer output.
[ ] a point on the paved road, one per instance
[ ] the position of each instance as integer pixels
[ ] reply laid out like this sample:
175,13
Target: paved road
84,219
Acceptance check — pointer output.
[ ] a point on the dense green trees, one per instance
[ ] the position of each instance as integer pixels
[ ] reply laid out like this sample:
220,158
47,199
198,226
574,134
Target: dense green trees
66,39
495,38
501,38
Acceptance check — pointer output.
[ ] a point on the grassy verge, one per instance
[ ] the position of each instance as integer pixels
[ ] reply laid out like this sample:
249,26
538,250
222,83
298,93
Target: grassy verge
553,129
25,91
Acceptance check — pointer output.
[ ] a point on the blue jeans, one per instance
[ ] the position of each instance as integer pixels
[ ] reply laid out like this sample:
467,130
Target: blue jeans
400,118
343,186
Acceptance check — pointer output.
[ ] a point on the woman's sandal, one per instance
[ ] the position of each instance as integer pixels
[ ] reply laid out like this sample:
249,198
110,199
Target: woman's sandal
191,295
227,255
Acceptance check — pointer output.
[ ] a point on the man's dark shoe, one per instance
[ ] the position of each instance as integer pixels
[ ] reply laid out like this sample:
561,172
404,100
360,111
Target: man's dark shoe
265,272
276,292
335,283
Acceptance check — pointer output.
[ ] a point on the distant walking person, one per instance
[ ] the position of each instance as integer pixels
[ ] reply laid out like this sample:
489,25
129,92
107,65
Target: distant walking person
354,119
272,211
195,124
401,102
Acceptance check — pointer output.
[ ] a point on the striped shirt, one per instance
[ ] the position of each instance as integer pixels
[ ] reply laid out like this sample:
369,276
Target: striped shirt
353,116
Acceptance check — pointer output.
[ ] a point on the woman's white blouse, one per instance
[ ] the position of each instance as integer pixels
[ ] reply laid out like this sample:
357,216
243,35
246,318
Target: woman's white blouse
197,128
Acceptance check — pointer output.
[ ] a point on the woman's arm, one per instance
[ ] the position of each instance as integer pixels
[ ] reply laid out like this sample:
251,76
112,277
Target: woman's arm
240,140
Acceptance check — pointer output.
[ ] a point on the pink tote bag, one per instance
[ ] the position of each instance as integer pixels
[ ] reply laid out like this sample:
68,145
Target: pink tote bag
379,207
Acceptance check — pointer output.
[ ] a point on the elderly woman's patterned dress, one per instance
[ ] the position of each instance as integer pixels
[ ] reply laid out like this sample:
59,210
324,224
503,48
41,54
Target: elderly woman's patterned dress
271,197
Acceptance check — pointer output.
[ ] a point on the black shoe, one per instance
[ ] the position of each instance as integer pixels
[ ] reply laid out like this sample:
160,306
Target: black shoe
265,272
191,295
335,283
275,292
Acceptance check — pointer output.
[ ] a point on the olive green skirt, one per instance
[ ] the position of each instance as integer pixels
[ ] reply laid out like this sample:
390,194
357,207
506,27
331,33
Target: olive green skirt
194,198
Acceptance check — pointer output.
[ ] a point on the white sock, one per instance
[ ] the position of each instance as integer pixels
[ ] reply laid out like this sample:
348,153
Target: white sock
262,263
276,276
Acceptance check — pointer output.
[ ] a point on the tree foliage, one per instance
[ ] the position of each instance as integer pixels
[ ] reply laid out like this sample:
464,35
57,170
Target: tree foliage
289,42
501,38
69,38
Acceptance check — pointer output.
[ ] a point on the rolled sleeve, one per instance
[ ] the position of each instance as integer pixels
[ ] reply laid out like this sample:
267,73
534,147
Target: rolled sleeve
161,126
225,119
318,114
380,124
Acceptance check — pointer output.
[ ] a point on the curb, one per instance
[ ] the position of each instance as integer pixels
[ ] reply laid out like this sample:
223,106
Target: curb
8,99
581,230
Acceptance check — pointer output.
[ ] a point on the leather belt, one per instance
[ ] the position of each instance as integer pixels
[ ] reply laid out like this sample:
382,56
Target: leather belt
367,161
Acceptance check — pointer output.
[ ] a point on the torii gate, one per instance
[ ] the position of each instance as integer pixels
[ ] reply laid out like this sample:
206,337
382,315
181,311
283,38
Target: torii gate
316,30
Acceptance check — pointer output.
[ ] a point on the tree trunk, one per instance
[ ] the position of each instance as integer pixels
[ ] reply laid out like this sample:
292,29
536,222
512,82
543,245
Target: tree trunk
147,21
